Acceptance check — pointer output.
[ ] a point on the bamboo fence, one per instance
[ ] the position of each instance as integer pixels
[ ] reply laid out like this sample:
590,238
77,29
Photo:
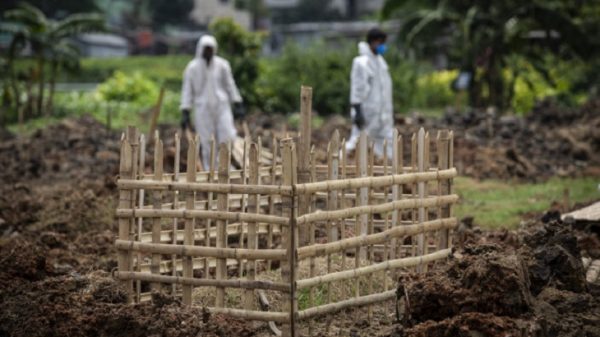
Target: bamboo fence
222,227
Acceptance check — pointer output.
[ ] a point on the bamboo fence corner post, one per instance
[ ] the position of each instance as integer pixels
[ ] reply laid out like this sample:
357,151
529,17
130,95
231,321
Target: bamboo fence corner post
287,237
125,199
444,185
157,204
304,144
421,190
188,235
254,206
222,205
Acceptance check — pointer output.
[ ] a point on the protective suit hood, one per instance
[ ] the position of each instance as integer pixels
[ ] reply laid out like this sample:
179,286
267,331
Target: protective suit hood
206,41
363,48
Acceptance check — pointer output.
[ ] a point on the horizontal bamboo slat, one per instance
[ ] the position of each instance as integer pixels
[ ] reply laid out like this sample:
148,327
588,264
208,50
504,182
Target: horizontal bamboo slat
203,282
353,302
267,316
127,184
199,251
374,182
198,263
199,234
386,265
381,208
200,214
381,237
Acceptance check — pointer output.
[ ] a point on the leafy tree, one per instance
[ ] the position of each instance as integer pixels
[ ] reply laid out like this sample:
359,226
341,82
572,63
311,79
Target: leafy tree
170,12
485,37
52,9
49,41
242,48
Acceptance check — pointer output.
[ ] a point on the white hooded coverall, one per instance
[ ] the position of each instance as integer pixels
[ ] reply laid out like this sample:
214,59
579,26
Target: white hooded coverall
210,90
371,87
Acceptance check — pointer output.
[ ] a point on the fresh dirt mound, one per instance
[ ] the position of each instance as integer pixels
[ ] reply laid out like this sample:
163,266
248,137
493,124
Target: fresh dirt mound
72,149
40,297
537,290
550,141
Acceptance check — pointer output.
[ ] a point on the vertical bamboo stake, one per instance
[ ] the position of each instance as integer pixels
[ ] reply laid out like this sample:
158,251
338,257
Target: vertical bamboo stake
426,166
135,143
386,216
371,228
287,237
125,198
253,205
443,147
421,190
140,205
311,233
450,181
332,200
364,191
222,205
343,200
395,196
175,206
304,154
209,202
334,175
274,147
157,204
188,234
413,163
243,205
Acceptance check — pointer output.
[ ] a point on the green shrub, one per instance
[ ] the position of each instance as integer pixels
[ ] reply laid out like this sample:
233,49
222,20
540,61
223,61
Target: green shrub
124,87
326,71
242,49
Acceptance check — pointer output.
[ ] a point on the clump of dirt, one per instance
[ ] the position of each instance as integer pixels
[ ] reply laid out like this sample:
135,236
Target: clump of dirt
551,141
538,289
95,305
554,259
470,284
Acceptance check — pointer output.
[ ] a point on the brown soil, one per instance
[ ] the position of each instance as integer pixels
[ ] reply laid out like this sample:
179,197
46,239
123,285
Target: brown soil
57,200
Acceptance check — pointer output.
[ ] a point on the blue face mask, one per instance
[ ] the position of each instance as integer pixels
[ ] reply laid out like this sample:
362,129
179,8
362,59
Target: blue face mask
381,49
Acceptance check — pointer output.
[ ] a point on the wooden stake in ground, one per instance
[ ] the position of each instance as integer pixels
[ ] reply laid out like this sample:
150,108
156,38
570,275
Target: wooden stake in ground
156,111
175,202
253,207
421,191
332,200
140,205
188,239
274,147
443,147
157,204
125,197
287,242
222,205
209,202
304,154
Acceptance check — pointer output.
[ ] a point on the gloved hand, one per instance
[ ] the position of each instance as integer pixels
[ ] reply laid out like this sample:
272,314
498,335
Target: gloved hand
239,111
359,119
185,120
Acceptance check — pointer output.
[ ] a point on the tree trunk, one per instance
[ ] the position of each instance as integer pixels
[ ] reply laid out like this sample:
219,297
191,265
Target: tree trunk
40,98
52,82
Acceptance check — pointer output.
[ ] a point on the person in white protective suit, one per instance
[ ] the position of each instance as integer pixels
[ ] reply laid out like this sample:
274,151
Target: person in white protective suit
371,94
209,89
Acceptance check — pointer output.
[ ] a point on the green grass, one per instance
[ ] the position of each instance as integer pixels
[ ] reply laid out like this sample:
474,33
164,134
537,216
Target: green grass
496,204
